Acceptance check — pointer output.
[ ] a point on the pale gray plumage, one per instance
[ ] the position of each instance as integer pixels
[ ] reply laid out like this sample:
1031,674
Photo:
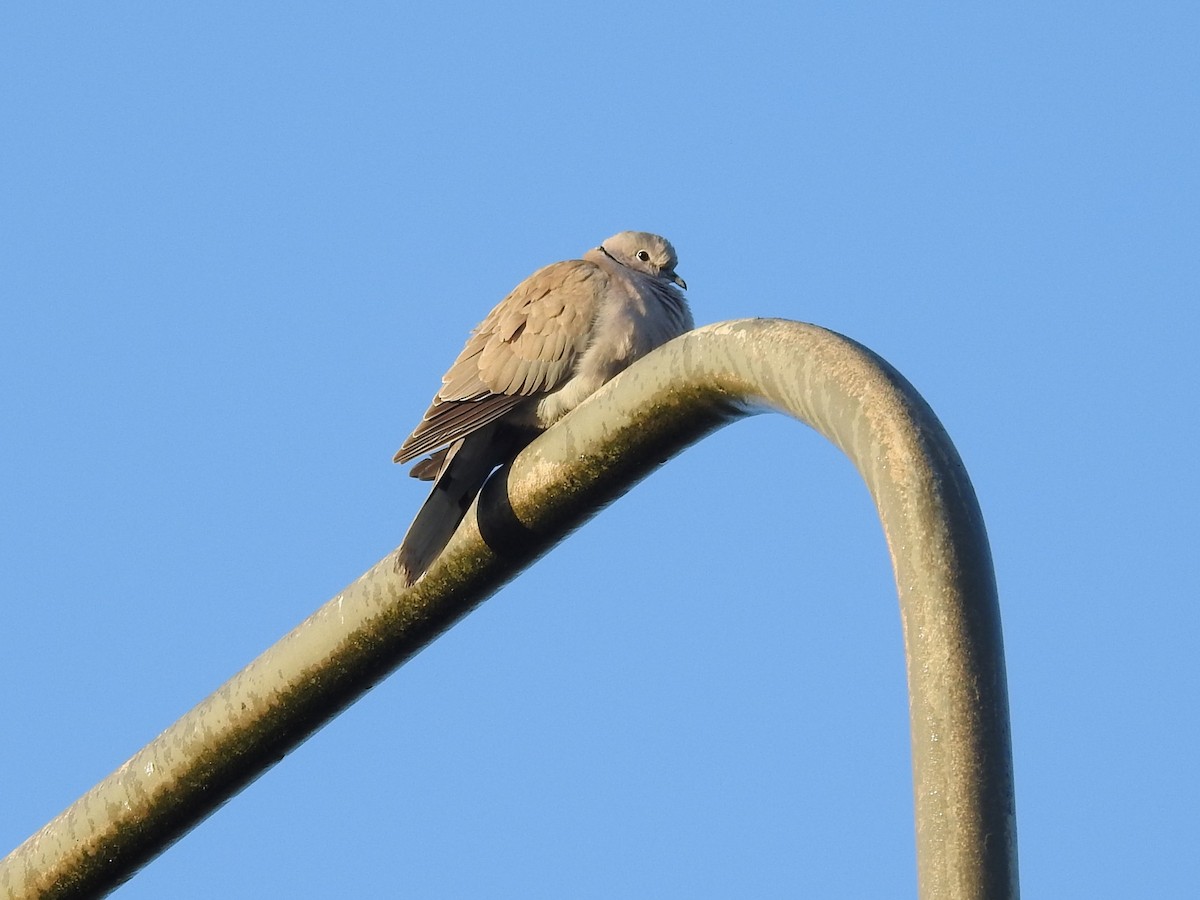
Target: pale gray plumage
544,349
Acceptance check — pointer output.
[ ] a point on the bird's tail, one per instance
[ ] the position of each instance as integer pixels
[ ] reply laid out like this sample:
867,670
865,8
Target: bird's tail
465,468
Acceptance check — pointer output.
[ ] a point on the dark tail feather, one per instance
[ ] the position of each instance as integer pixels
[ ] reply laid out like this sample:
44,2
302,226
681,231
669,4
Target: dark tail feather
428,468
467,464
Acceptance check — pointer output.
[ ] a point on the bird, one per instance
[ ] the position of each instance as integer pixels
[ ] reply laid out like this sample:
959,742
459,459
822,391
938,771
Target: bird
545,348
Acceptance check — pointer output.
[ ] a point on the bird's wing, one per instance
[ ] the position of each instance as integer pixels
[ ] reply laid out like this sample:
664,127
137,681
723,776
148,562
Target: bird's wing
527,346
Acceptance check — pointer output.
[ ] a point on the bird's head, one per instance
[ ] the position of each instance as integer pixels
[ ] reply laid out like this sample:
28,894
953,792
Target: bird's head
646,253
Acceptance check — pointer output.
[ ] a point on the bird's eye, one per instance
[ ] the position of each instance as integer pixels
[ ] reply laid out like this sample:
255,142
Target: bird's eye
643,256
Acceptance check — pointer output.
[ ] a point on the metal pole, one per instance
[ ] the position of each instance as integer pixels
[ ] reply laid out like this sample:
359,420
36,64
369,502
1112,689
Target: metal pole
962,769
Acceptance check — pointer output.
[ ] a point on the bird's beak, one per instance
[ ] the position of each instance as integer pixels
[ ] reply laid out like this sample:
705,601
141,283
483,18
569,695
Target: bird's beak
678,280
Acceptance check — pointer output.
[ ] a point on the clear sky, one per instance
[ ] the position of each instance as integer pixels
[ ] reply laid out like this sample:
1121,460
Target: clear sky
239,244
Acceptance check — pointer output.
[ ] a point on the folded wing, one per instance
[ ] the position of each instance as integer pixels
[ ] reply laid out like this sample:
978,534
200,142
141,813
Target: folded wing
526,347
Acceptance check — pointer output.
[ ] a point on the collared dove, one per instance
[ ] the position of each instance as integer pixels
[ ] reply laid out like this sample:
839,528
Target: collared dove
562,333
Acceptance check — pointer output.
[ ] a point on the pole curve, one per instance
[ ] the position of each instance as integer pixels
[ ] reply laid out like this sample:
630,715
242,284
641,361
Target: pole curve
962,768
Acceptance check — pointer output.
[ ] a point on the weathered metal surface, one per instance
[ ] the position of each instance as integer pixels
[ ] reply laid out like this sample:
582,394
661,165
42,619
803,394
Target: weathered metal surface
966,830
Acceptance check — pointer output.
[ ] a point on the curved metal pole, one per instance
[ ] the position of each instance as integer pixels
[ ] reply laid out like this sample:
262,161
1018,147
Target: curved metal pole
966,827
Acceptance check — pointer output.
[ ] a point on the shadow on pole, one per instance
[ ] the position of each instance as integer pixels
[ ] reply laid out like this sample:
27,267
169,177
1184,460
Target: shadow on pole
962,767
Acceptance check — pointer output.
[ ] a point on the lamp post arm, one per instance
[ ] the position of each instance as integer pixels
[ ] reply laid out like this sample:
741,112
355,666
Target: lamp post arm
962,768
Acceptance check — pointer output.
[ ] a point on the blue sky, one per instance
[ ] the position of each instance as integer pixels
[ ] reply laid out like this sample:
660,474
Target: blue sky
241,243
